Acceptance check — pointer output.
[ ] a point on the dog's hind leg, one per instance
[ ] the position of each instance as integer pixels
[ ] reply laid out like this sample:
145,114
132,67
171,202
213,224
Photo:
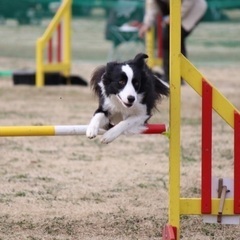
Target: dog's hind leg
133,124
99,120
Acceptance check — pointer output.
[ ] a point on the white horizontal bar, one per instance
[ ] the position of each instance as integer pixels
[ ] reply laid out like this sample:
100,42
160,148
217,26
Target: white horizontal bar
73,130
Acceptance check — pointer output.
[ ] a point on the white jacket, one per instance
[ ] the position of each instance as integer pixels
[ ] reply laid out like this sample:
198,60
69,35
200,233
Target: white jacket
191,11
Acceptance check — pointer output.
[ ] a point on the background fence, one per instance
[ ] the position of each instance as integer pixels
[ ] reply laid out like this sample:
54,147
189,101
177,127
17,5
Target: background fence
213,42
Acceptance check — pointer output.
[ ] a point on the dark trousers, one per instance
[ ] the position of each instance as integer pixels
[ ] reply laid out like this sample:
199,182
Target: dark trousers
166,48
164,6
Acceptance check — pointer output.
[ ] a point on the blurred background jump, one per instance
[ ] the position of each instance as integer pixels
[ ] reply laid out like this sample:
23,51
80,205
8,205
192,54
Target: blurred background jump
69,24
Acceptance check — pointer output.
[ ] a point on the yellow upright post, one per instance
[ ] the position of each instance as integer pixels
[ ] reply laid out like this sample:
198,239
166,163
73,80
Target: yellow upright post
150,47
67,38
175,105
39,64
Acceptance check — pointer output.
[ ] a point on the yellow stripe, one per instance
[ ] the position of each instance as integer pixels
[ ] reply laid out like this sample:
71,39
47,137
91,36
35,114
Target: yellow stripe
65,6
220,103
51,67
8,131
192,206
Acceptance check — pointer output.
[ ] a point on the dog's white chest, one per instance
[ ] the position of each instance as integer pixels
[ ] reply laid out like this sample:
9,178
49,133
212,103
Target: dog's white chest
115,118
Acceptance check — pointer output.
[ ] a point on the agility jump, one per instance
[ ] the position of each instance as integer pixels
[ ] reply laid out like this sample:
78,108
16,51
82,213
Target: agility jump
211,99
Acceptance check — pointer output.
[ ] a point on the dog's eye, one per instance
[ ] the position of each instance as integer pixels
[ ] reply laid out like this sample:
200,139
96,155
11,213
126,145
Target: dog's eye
121,82
135,83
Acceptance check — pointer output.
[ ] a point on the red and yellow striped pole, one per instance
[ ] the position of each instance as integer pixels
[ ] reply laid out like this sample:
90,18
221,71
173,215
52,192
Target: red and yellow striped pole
61,130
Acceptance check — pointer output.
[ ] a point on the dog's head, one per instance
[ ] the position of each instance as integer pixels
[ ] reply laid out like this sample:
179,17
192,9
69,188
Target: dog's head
124,79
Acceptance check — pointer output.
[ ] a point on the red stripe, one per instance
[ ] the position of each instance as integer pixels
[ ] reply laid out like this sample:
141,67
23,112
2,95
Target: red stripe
50,50
236,163
59,42
155,129
206,147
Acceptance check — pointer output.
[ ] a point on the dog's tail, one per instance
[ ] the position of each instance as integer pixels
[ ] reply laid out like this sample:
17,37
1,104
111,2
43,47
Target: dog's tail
161,86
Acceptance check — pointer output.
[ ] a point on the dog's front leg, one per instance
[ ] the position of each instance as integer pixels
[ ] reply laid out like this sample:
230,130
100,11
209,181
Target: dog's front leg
136,123
99,120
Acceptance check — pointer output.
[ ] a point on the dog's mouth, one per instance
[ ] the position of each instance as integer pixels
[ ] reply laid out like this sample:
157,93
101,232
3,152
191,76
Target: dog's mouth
128,105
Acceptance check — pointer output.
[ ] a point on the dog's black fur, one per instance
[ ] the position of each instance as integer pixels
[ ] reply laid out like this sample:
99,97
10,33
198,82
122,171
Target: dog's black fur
126,88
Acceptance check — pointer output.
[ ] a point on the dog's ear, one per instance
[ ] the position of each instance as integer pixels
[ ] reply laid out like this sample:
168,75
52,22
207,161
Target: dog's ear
110,66
139,59
97,74
96,78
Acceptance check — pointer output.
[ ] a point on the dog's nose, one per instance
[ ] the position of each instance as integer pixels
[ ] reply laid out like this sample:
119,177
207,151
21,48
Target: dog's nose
131,99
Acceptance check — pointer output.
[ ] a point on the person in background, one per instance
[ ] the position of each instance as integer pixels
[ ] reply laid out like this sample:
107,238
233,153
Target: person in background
192,11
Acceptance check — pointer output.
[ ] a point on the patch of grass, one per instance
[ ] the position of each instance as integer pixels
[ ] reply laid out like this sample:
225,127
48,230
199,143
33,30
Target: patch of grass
17,114
80,157
85,199
33,238
13,160
226,154
5,198
25,224
187,154
97,198
164,182
20,194
142,185
190,121
45,179
46,151
147,148
59,225
20,178
133,226
29,150
195,190
3,172
117,190
93,197
149,185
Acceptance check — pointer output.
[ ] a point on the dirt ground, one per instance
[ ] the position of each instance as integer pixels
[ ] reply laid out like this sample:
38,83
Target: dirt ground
74,188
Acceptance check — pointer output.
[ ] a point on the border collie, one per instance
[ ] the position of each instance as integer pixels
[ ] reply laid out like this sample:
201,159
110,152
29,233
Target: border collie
127,93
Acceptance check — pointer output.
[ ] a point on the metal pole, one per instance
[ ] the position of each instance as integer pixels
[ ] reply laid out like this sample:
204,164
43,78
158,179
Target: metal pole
62,130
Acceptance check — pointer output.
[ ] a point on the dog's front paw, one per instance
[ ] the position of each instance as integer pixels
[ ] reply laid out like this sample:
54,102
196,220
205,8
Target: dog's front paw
109,136
92,131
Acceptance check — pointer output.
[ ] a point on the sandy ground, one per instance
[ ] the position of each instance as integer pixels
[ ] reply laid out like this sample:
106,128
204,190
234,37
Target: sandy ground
74,188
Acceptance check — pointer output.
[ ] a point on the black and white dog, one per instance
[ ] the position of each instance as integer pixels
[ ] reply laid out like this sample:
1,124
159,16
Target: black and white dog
127,92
